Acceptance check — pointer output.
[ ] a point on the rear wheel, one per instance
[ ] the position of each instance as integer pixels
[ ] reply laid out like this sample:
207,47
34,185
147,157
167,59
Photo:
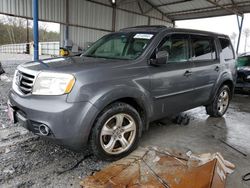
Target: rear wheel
115,133
220,103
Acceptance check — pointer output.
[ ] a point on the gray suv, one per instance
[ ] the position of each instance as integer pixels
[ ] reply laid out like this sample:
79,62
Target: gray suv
106,98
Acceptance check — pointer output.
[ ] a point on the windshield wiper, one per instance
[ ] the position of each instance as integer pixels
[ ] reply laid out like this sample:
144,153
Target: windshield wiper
106,57
41,62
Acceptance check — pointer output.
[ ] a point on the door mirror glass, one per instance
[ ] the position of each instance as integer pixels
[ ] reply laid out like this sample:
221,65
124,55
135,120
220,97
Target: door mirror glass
161,58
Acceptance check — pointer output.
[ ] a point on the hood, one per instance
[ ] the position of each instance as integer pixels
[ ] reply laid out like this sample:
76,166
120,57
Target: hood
72,64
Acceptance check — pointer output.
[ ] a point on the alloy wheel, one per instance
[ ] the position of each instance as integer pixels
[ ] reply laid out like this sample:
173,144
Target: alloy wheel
118,133
223,101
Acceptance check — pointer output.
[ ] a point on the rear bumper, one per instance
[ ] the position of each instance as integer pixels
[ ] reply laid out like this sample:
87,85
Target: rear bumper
242,86
69,123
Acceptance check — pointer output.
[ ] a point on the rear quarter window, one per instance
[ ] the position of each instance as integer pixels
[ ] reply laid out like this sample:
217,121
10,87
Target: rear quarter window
203,48
227,49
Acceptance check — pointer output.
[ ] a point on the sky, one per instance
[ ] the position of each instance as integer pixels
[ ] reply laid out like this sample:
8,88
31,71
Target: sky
224,24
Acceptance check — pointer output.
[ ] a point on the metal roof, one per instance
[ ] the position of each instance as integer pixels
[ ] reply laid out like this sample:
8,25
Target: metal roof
191,9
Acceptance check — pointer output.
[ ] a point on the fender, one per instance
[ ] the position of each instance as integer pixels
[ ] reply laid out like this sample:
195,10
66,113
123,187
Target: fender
223,77
112,94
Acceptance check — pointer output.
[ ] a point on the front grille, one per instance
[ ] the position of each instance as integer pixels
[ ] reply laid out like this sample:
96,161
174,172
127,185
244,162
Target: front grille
25,82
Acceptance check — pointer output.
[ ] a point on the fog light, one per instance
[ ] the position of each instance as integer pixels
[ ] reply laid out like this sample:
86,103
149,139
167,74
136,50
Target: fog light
44,130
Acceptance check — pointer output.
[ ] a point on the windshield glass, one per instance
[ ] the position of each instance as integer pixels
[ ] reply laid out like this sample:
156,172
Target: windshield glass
243,61
120,46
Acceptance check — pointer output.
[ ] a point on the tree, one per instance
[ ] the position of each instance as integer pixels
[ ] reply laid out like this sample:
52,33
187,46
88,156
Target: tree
14,30
246,33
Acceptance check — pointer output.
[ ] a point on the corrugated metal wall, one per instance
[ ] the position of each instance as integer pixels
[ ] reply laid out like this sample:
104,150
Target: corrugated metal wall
82,36
50,10
126,19
19,8
88,20
159,22
89,14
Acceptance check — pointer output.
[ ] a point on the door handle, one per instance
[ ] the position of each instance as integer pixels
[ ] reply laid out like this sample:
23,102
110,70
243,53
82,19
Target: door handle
188,73
217,68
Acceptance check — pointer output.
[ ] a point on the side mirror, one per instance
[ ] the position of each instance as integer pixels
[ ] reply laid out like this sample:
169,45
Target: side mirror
161,58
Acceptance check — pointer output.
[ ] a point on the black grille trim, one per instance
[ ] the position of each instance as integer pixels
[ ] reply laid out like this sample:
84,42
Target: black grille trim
25,82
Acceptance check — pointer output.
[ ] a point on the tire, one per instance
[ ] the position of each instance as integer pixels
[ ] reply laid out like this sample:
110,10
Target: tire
116,132
220,103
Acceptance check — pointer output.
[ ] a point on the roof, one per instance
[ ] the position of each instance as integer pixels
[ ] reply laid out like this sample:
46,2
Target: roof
191,9
158,28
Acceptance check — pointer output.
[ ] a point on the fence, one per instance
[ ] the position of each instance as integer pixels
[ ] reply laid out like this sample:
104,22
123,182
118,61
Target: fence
49,48
13,48
45,48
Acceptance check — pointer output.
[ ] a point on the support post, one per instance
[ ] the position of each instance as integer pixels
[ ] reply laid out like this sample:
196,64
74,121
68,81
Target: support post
240,25
114,17
35,30
27,37
66,31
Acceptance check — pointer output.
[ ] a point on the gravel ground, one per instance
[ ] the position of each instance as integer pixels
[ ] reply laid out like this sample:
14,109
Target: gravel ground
28,161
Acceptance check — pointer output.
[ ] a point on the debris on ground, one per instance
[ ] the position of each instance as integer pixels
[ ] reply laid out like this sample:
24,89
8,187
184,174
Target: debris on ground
1,69
74,165
181,119
3,76
233,147
246,177
153,167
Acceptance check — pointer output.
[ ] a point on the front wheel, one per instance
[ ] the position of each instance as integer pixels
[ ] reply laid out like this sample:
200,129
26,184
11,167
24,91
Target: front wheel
116,132
220,103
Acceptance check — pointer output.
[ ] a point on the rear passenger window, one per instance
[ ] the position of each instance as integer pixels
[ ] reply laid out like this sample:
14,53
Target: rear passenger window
176,46
227,49
203,48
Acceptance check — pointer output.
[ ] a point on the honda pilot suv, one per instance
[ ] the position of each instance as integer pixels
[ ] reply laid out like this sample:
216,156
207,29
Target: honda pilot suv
106,98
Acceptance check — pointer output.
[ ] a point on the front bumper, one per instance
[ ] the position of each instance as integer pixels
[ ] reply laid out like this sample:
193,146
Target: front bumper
69,123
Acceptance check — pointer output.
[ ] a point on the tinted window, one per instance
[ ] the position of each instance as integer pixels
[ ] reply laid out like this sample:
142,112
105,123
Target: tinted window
227,49
176,46
120,46
203,48
243,61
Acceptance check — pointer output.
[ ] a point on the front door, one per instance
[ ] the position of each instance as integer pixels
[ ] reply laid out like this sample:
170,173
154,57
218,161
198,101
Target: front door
171,84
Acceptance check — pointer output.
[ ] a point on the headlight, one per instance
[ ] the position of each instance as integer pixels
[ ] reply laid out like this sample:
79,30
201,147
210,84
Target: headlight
248,77
49,83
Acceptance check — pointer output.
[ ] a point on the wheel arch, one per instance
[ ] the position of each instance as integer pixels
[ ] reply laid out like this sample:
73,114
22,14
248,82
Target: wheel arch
138,99
230,84
224,79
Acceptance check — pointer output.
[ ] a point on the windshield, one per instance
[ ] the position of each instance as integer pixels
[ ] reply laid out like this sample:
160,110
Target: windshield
120,46
243,61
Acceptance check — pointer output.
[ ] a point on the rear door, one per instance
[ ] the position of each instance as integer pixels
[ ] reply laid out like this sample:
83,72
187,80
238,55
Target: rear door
171,84
206,67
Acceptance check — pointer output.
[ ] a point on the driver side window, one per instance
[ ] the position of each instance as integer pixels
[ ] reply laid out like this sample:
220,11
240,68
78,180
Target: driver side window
176,46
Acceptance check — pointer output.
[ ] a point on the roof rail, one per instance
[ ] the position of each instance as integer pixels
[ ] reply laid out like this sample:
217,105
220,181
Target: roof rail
153,27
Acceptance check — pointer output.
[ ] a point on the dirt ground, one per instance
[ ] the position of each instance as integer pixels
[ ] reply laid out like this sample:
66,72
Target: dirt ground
28,161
